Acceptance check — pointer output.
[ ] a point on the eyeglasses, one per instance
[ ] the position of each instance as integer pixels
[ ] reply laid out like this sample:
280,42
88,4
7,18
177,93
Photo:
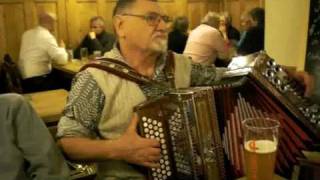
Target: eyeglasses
153,19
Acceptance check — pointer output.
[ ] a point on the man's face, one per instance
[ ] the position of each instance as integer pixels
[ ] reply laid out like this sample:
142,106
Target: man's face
97,26
143,28
246,22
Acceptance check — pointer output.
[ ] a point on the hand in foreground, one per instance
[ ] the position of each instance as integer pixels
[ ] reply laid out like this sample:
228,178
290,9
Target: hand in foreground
307,80
62,44
137,150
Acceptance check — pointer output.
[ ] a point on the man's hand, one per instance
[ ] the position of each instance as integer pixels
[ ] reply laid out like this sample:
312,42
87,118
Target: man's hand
62,44
92,35
307,80
137,150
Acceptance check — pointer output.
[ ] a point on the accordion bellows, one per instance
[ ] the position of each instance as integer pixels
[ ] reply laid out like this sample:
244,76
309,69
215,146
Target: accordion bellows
200,128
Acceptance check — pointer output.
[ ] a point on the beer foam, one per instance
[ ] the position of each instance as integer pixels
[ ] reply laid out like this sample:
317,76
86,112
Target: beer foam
261,146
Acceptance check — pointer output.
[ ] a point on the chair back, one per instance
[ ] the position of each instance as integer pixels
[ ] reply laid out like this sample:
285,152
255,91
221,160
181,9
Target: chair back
10,77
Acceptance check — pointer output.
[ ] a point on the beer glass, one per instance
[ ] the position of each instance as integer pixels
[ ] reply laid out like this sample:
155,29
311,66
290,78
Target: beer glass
261,137
70,54
84,54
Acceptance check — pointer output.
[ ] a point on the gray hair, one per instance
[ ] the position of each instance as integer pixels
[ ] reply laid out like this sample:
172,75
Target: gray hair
122,5
46,17
212,19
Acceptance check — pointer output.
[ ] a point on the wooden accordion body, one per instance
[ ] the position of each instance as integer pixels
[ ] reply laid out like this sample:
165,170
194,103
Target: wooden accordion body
265,91
200,128
183,122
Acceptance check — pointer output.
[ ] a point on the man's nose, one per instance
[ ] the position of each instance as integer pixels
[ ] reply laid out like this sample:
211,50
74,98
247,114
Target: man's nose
162,25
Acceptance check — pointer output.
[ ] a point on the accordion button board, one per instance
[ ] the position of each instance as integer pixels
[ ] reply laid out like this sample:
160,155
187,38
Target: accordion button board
182,122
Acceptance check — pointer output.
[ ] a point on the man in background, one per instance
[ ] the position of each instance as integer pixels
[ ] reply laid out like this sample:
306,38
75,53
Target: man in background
253,39
39,49
97,39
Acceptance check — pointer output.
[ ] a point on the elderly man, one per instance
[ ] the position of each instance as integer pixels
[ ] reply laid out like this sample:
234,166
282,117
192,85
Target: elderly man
28,150
38,50
206,43
98,122
97,39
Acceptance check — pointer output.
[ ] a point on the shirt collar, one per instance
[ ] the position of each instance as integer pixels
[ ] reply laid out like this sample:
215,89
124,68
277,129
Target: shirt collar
115,53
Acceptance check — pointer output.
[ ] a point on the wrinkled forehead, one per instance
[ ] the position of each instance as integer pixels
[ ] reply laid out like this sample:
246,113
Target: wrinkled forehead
145,6
97,22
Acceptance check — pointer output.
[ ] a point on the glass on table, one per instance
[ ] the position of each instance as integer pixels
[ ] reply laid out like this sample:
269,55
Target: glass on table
70,54
84,54
261,137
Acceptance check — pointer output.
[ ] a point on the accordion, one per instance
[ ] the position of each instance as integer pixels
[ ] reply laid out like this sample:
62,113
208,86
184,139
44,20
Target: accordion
183,123
200,128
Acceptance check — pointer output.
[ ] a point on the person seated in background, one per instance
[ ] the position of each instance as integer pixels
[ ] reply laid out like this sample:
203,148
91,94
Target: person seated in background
179,35
28,151
38,50
245,25
205,42
253,40
226,26
97,39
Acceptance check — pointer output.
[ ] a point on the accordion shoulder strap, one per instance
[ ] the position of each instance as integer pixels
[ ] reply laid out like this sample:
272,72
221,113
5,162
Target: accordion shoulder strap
117,68
124,71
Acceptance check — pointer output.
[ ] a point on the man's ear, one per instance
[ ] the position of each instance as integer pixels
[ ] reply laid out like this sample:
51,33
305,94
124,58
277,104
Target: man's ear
118,26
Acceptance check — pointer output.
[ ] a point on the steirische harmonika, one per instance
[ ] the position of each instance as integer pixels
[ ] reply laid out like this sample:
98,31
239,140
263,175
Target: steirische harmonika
185,123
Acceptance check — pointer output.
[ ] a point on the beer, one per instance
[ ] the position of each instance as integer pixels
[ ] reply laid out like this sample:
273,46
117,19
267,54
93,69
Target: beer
260,158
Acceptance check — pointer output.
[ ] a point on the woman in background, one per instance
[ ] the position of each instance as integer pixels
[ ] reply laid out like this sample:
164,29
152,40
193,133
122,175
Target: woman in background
179,35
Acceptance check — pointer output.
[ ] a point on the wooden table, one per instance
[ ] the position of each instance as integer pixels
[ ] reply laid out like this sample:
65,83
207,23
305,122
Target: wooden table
72,67
48,104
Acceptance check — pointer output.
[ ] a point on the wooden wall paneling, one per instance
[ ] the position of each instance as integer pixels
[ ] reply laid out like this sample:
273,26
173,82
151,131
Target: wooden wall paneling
14,26
62,20
105,9
3,40
174,8
197,9
72,23
235,9
86,11
10,1
30,14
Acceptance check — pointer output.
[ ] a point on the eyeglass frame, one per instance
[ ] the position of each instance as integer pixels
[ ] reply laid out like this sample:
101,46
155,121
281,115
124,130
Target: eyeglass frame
147,17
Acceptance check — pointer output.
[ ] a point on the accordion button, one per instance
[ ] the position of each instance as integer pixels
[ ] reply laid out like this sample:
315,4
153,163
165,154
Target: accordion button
159,124
144,118
154,122
164,146
145,124
125,70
